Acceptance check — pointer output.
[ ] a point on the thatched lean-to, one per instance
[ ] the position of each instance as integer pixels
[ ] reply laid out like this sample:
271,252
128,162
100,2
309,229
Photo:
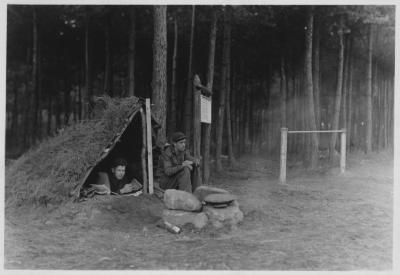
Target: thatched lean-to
56,169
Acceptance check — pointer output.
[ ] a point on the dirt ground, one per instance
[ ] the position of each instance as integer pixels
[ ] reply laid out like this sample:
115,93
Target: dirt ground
318,221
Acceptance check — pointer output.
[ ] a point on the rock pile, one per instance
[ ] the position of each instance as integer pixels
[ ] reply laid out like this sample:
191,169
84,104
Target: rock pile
207,205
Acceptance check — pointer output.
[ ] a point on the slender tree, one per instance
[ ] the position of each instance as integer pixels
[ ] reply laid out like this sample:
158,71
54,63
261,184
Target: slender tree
343,121
189,92
228,109
87,87
338,95
316,71
210,81
283,94
108,63
309,91
368,141
350,97
14,122
132,51
35,66
159,82
173,118
222,95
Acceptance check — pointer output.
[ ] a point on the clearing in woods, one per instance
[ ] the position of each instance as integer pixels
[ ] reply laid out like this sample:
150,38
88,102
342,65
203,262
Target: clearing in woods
318,221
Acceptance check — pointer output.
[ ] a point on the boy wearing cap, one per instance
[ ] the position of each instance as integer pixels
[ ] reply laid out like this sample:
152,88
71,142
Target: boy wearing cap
177,165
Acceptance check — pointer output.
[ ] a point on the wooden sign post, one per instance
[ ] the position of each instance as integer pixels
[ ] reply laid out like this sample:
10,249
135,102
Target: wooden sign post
198,90
196,122
149,147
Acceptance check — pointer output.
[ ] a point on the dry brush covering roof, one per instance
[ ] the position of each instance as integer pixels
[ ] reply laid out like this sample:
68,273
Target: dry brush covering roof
57,165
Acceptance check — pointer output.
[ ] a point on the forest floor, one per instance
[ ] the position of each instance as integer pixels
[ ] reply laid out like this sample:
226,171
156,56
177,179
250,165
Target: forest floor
319,220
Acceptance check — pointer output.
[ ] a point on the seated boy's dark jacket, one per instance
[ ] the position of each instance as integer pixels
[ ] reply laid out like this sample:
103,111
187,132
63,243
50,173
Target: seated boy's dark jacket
171,162
115,184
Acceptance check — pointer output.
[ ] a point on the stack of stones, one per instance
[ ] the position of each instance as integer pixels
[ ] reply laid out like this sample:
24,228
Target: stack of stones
207,205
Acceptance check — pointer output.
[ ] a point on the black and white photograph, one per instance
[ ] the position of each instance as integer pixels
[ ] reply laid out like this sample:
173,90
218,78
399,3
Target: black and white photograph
199,136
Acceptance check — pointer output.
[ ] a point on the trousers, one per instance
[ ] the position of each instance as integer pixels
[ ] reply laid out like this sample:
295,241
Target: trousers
184,180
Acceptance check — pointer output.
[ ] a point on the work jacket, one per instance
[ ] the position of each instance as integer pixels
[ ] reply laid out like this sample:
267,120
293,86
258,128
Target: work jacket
170,162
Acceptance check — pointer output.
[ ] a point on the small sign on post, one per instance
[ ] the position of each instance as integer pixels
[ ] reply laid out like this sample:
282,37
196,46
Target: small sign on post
205,107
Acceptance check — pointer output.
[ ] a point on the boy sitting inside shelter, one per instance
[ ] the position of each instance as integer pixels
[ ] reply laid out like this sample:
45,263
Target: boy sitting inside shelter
115,179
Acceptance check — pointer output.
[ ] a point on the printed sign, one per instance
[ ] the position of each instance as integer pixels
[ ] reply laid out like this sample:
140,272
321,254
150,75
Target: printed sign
205,107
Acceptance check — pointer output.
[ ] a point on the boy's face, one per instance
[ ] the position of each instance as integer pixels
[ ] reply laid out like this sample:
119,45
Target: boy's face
119,172
180,145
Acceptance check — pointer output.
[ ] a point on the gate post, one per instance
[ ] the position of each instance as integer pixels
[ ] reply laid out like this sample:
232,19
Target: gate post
284,132
149,147
343,151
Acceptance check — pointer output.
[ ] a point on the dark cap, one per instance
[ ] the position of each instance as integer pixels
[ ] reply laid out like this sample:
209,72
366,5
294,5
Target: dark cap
177,136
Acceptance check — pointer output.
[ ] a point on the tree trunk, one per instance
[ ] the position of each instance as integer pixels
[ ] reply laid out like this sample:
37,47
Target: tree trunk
339,84
58,105
248,119
189,92
108,65
309,92
233,106
346,65
27,113
381,124
221,109
159,82
210,81
87,89
173,118
283,92
350,97
67,96
385,113
228,109
368,141
87,92
49,114
196,120
375,101
316,74
80,114
35,85
14,122
132,50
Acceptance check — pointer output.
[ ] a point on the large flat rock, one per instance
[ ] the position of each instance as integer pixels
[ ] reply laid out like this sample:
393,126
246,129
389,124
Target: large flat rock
181,200
203,191
218,217
219,198
180,218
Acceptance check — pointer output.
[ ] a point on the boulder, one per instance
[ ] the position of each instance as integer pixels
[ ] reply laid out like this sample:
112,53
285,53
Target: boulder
218,217
181,200
203,191
180,218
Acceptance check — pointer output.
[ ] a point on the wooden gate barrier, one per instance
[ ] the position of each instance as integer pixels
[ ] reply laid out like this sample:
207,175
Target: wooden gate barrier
283,155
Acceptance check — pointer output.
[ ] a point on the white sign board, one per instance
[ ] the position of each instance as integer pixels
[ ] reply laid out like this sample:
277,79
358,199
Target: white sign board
205,107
